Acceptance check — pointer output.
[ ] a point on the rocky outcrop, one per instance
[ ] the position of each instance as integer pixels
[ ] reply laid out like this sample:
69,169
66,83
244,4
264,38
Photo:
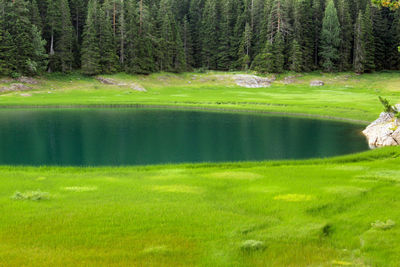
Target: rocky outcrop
385,131
133,86
317,83
252,81
15,87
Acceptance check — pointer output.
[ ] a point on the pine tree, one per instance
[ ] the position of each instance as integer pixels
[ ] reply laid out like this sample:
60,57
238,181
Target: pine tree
303,31
107,49
209,34
187,43
6,46
35,16
359,48
265,61
296,57
380,32
368,40
244,51
195,22
278,53
318,13
330,38
60,30
24,38
90,45
345,35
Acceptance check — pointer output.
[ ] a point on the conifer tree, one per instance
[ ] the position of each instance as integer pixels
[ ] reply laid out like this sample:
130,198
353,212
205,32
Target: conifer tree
318,14
60,29
330,38
368,40
296,57
209,33
35,16
24,54
303,31
345,35
265,61
107,49
6,47
244,51
195,21
359,49
90,45
278,53
187,43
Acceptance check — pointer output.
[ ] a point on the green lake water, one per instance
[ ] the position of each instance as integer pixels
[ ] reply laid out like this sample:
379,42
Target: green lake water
98,137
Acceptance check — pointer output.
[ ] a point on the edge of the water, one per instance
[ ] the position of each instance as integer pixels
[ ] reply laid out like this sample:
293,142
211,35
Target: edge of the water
196,108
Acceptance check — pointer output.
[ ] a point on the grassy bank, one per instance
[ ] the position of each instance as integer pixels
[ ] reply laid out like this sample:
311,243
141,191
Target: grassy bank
306,213
331,212
345,95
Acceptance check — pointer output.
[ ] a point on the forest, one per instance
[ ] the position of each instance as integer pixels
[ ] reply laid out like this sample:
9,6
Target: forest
147,36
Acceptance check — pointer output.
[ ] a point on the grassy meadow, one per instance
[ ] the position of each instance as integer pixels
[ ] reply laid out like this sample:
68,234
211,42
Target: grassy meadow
341,211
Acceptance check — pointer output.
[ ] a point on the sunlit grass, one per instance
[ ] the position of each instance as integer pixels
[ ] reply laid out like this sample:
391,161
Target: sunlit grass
345,95
287,213
323,212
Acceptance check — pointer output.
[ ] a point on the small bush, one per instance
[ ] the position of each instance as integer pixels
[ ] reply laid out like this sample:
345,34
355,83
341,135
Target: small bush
252,245
387,107
31,195
383,225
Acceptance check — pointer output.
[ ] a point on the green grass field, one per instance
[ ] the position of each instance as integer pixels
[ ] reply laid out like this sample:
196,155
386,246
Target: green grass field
326,212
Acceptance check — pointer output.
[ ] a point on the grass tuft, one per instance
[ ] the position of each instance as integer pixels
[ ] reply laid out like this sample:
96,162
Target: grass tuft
31,195
383,225
252,245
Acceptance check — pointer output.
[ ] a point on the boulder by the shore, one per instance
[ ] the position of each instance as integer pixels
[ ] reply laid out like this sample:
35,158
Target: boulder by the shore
252,81
385,131
317,83
133,86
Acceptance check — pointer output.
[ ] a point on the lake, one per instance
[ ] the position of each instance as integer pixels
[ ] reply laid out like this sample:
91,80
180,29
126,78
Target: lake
114,137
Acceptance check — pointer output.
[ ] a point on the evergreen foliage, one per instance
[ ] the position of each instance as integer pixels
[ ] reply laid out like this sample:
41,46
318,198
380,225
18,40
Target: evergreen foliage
145,36
330,38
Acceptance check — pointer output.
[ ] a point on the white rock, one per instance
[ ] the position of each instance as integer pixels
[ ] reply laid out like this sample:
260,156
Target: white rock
317,83
385,131
252,81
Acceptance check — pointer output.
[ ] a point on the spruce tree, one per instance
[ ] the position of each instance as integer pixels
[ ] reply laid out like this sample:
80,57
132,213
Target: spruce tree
296,57
35,15
61,36
278,53
209,33
345,35
359,48
107,49
195,21
368,40
24,37
264,62
187,43
303,32
7,49
244,51
318,14
90,46
330,38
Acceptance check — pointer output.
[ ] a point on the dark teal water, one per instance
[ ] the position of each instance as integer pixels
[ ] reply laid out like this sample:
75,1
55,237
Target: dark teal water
95,137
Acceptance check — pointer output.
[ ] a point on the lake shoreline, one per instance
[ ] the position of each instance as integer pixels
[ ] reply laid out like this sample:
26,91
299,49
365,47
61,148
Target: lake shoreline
195,108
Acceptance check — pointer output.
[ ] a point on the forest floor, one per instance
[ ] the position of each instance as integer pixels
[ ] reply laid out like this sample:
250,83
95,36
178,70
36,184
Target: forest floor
342,211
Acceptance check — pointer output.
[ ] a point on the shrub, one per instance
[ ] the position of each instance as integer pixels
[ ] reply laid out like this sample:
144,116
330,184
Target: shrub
387,107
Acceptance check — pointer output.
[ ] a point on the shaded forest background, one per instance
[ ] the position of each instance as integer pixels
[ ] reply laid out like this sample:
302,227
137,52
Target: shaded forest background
145,36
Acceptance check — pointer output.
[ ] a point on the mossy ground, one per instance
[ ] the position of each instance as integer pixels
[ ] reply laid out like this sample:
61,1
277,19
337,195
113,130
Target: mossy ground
304,213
